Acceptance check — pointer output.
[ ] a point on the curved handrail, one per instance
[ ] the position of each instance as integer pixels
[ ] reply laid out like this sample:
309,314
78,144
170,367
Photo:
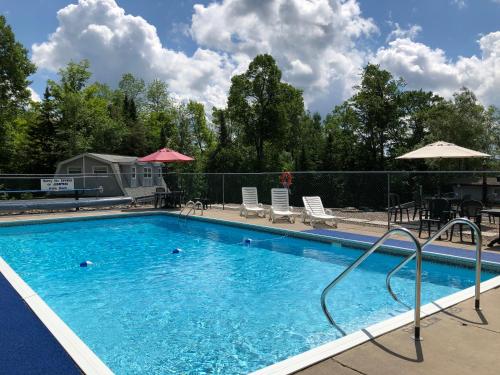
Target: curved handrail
365,255
448,225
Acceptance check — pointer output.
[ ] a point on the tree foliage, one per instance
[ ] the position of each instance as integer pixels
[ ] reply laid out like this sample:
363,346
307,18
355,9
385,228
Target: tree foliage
264,127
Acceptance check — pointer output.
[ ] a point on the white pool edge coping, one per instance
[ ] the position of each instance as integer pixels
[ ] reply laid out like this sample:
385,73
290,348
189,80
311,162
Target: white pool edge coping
80,353
90,363
332,348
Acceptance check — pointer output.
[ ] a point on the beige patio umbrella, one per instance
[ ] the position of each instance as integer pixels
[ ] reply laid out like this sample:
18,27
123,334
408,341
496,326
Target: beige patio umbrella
443,150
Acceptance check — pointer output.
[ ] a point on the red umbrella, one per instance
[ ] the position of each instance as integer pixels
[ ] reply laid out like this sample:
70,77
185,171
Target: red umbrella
166,155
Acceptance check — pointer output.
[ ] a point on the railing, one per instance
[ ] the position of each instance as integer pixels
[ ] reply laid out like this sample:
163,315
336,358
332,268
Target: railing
357,262
191,207
453,222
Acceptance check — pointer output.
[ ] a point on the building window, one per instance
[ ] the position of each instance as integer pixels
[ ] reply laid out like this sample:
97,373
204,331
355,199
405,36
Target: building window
158,172
133,174
148,173
74,170
100,169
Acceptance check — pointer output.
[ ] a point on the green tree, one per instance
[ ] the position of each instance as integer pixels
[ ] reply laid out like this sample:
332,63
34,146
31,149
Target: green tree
133,88
377,107
15,68
202,135
157,96
258,103
42,137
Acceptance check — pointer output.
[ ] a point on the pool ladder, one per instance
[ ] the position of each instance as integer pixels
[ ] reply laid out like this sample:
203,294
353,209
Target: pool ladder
191,208
418,275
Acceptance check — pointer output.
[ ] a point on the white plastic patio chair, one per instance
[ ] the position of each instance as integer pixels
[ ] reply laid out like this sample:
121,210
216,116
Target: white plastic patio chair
280,206
315,212
251,202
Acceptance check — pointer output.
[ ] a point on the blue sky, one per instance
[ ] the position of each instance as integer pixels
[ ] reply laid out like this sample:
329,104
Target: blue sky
434,44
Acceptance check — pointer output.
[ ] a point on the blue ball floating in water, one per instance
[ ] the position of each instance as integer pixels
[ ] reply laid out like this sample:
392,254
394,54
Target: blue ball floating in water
86,263
176,251
248,241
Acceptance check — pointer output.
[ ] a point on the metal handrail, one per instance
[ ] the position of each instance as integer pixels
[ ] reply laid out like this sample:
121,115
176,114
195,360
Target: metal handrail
448,225
357,262
192,208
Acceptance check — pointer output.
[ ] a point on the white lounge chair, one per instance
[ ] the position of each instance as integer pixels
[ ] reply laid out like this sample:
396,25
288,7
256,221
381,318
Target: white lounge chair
315,212
280,206
251,202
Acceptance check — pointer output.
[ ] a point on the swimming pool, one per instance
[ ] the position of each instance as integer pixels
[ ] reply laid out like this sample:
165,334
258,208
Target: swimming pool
218,306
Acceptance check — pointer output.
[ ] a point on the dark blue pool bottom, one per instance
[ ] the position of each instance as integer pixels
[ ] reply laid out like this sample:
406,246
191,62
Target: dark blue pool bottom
26,345
444,250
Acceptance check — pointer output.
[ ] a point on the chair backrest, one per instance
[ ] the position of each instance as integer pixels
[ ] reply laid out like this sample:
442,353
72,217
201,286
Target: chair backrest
249,196
314,204
438,208
471,209
279,199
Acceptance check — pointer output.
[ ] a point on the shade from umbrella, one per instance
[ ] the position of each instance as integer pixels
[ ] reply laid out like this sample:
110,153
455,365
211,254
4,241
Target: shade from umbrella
166,155
443,150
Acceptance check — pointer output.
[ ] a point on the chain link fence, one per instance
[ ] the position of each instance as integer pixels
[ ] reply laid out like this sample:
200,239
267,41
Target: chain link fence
356,196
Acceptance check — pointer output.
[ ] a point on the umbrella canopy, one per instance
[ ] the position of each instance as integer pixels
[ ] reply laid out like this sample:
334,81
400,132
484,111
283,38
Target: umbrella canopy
443,150
166,155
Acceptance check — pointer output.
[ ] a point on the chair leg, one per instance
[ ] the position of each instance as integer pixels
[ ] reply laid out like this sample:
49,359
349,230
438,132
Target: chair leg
408,215
451,233
420,229
429,228
461,233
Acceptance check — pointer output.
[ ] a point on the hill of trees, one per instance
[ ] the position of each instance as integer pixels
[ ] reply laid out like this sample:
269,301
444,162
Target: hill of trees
264,126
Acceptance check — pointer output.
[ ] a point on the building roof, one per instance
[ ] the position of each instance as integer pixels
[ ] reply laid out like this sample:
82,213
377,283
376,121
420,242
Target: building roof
115,158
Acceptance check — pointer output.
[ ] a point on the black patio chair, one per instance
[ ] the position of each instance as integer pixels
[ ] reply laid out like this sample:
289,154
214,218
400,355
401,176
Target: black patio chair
471,210
438,213
396,207
418,204
159,198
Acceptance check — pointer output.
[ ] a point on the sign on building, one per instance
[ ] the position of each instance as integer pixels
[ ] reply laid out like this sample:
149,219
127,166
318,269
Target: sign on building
57,184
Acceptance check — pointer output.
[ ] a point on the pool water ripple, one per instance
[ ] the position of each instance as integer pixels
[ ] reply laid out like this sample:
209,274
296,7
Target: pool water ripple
219,306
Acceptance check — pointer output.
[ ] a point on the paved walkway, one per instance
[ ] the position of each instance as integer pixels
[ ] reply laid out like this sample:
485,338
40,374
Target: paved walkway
458,340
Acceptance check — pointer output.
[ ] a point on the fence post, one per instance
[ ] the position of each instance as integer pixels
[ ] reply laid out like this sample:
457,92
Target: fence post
388,200
223,200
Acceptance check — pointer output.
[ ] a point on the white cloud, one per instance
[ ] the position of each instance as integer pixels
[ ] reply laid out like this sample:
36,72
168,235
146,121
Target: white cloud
318,44
399,33
34,95
461,4
427,68
314,42
116,43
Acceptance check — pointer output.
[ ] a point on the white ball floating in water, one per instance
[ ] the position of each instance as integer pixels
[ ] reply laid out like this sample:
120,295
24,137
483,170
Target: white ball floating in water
176,251
86,263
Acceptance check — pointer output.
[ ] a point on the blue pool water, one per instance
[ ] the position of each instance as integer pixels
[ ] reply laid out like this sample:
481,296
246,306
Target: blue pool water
219,306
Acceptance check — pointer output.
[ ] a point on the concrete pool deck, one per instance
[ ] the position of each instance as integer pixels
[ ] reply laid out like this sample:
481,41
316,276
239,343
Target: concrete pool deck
456,340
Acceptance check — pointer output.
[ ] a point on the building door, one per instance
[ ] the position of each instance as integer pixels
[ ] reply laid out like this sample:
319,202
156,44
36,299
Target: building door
148,176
